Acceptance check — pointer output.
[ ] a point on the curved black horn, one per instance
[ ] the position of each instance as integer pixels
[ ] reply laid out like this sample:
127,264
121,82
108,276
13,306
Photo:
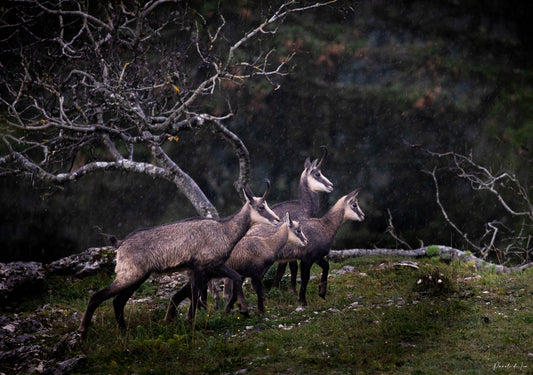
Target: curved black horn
267,182
248,193
324,154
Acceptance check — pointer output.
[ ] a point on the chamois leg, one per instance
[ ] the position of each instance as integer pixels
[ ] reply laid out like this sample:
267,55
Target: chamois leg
257,284
232,294
96,300
198,280
323,286
180,295
213,287
282,266
186,292
202,292
225,271
293,266
305,273
120,301
228,289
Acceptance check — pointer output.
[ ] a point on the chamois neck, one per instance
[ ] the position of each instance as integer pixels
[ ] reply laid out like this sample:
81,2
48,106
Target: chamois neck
236,225
335,215
309,200
281,235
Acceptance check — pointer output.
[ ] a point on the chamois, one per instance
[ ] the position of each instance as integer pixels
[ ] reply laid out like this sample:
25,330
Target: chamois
257,251
312,183
320,233
197,244
253,255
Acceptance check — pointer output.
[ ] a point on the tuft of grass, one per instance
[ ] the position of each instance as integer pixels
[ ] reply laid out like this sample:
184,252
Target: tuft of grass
433,251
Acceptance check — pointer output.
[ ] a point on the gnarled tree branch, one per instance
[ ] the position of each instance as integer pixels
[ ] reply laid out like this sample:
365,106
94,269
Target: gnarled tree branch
121,80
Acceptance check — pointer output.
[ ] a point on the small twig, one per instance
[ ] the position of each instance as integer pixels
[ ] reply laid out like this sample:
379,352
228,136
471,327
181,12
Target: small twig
390,230
445,214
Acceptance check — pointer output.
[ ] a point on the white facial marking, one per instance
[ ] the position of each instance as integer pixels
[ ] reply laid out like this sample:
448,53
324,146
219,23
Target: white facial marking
351,214
258,218
318,186
271,212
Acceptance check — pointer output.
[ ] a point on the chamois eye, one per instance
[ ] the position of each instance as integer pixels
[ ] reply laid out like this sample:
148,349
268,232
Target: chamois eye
317,174
261,207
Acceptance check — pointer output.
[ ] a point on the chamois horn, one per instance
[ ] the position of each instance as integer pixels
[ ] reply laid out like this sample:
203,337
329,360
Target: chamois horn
248,191
324,154
267,182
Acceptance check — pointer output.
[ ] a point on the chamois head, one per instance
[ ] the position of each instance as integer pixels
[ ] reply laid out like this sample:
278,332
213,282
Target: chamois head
296,235
315,179
260,212
351,208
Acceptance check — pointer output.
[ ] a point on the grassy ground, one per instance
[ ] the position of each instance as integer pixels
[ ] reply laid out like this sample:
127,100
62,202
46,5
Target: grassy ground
379,317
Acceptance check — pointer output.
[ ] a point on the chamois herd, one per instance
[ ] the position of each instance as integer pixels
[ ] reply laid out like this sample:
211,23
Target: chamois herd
243,245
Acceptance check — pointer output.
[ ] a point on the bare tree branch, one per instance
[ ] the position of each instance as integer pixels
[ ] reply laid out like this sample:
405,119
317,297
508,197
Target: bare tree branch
445,214
512,196
392,231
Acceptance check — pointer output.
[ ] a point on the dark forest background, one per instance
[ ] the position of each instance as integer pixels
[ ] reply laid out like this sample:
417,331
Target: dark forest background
374,81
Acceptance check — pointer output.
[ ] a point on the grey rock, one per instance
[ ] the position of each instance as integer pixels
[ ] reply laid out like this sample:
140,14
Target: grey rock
19,278
89,262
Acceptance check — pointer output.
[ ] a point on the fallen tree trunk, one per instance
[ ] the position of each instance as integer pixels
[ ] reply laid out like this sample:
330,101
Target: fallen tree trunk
444,252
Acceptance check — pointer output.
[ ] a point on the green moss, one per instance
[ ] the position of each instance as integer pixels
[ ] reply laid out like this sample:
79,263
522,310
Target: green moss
433,251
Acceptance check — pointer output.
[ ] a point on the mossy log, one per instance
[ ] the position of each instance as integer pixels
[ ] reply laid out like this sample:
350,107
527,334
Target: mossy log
444,252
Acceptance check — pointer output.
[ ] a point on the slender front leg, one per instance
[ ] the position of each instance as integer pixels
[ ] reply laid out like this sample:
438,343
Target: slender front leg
305,272
228,289
257,284
198,281
323,286
232,293
293,266
225,271
213,287
280,272
180,295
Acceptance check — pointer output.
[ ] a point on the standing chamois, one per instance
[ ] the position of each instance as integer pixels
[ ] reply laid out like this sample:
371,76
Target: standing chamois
196,244
253,255
312,183
256,252
320,233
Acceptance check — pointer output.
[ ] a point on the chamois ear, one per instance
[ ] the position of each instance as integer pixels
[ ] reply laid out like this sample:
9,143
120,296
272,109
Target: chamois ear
355,193
307,163
288,219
